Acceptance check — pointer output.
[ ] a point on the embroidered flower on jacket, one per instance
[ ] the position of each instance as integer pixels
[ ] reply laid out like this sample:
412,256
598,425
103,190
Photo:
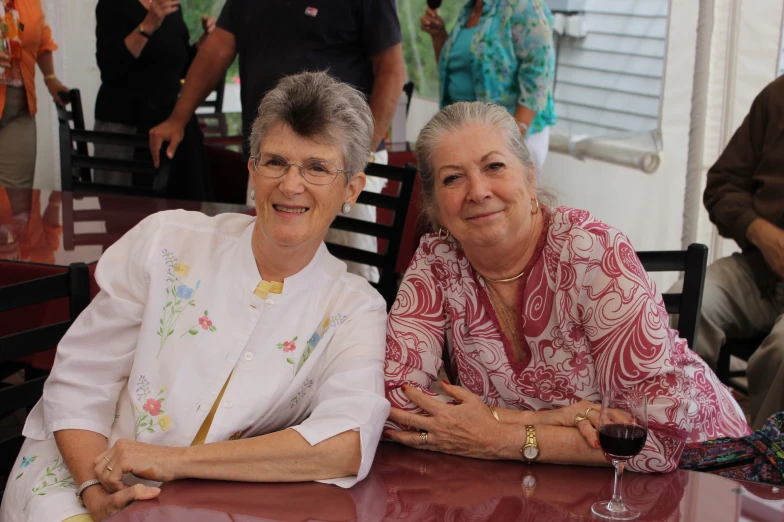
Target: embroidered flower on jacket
153,407
164,421
26,461
181,269
288,346
184,292
205,322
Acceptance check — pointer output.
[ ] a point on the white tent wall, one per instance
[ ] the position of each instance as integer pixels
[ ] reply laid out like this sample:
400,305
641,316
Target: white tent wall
647,207
73,28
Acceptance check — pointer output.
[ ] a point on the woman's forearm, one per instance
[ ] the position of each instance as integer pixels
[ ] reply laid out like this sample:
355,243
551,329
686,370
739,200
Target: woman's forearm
525,116
283,456
557,445
135,43
79,449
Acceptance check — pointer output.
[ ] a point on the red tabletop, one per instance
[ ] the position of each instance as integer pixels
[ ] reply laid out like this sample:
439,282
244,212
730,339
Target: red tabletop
410,485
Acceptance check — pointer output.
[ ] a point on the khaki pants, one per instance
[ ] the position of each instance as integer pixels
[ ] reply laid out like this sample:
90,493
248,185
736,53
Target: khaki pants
17,141
732,306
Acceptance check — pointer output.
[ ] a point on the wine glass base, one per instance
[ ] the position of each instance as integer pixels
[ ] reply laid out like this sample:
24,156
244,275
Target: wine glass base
607,510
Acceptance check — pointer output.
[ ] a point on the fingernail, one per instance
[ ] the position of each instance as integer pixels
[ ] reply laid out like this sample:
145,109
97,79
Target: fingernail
385,434
596,444
443,381
155,490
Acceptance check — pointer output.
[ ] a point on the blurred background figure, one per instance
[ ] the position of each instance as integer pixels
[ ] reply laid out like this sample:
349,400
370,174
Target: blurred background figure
357,41
500,51
26,232
24,40
143,52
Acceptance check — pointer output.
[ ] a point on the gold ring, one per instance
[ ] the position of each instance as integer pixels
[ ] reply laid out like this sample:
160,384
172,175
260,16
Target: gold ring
109,468
578,419
423,436
494,412
107,459
589,410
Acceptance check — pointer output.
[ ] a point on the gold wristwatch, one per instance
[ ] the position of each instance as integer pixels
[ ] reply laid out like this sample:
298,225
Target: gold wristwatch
530,450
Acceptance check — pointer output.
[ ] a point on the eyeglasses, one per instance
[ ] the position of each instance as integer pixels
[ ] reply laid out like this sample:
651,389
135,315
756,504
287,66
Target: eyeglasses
315,171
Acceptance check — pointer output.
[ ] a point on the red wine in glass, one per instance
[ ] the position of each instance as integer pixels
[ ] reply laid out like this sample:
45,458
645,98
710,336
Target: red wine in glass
622,441
623,430
434,4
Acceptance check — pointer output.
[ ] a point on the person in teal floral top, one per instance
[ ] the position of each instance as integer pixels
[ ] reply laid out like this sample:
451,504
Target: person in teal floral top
500,51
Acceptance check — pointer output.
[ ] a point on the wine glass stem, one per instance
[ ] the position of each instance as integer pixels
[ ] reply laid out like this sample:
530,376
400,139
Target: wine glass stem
617,502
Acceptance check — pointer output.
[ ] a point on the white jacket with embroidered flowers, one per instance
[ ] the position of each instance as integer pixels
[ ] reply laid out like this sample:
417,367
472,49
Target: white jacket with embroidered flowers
177,315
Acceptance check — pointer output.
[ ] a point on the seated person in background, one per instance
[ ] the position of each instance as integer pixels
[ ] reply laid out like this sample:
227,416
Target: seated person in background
744,293
541,310
143,51
26,233
225,331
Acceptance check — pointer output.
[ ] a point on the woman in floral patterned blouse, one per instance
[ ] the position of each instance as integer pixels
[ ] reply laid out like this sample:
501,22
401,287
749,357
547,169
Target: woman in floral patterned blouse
500,51
189,364
541,310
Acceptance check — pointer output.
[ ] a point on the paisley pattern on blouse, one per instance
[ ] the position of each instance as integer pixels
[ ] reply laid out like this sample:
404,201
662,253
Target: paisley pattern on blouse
513,58
592,320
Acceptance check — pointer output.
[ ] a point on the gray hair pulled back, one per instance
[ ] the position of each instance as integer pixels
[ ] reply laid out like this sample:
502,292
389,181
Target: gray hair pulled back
319,107
455,117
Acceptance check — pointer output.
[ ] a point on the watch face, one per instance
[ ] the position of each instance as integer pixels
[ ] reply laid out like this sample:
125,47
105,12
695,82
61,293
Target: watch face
531,452
529,481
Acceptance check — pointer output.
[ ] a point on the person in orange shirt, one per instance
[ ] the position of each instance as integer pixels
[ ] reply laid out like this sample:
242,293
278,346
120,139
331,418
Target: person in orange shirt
25,39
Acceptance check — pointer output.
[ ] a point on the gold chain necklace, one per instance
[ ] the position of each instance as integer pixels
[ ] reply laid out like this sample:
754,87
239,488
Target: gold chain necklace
509,280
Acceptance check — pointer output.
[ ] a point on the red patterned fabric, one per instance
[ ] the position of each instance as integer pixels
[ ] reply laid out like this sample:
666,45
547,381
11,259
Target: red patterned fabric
591,319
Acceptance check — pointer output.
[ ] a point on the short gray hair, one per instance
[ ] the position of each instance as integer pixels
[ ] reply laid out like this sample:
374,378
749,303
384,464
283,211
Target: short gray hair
455,117
317,106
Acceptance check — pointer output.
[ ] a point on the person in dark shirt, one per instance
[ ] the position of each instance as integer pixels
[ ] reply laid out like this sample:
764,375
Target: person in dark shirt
356,41
143,51
744,293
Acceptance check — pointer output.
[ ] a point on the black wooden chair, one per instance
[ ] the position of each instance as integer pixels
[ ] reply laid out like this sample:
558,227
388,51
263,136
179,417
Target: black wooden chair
76,165
72,283
392,232
693,262
742,348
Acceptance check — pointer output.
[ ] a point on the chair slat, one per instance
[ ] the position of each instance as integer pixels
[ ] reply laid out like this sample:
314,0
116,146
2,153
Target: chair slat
111,138
35,291
33,341
663,261
135,167
362,227
378,200
389,172
356,255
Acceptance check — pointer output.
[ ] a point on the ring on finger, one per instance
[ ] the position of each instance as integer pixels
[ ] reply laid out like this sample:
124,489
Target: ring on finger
109,468
107,459
423,437
578,419
589,410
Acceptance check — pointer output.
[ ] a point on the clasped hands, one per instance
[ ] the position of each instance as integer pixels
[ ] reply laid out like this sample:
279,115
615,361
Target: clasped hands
146,461
470,429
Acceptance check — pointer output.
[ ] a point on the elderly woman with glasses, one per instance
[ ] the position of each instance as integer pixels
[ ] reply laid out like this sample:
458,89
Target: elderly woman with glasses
536,312
233,347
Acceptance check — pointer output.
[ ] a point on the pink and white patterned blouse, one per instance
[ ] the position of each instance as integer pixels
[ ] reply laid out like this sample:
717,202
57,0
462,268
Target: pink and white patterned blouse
591,320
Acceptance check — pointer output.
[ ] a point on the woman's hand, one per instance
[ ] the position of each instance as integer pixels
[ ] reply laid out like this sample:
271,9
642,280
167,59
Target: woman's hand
102,504
146,461
567,416
55,87
433,24
466,429
159,9
5,60
207,26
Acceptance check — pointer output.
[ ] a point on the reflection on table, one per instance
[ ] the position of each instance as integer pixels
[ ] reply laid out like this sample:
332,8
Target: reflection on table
409,485
32,231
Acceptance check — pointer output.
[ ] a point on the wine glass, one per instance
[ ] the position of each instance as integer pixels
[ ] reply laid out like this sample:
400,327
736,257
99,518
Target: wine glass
623,429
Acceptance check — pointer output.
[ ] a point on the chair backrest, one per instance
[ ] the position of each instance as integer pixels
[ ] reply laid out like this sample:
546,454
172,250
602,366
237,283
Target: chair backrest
76,163
72,116
693,263
72,283
392,232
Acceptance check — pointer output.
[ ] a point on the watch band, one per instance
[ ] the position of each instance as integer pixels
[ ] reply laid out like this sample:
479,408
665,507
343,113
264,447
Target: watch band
530,441
82,487
142,32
